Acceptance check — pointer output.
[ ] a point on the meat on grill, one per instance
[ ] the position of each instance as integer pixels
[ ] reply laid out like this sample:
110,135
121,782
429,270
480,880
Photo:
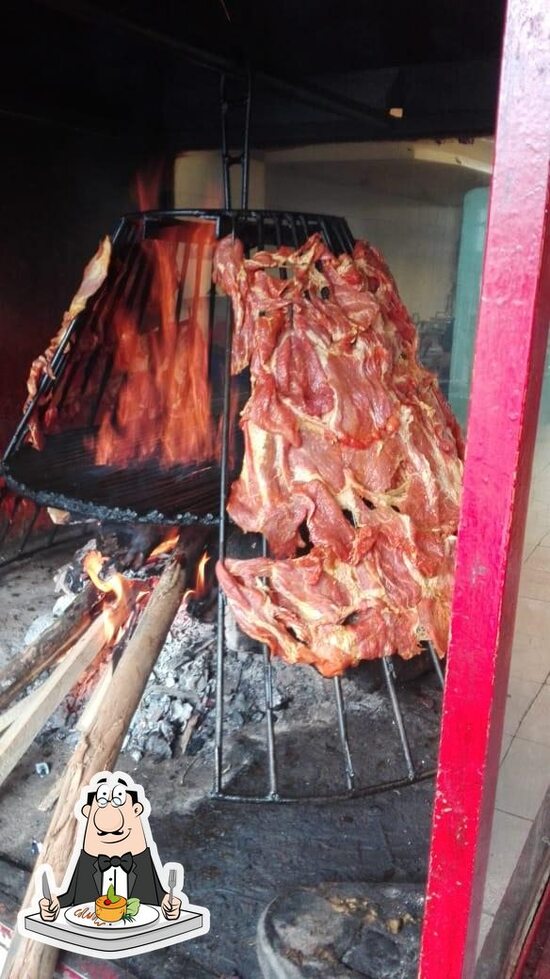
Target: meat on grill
352,462
93,278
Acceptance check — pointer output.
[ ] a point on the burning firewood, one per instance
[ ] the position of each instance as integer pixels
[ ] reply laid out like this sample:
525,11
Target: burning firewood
44,651
99,747
352,464
41,703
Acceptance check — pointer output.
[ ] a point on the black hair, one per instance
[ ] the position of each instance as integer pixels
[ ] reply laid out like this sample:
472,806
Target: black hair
131,792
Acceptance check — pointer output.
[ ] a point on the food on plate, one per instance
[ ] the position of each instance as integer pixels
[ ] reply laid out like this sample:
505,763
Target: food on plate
111,907
352,464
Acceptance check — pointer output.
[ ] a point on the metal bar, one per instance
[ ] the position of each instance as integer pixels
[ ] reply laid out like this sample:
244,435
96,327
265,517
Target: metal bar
313,95
508,369
387,670
225,149
291,218
339,237
268,690
343,730
357,793
302,221
347,235
220,645
245,170
271,757
436,664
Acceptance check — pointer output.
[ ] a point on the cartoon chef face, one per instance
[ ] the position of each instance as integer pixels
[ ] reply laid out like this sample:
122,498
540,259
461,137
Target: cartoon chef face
114,817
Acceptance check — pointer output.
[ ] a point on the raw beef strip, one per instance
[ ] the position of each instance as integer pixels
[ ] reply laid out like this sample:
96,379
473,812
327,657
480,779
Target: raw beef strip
352,462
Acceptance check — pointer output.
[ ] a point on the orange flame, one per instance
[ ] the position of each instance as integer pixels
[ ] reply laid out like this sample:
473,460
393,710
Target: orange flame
148,185
93,563
165,546
200,578
159,406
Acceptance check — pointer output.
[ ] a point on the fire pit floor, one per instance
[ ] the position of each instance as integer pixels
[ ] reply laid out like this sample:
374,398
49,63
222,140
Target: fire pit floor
239,857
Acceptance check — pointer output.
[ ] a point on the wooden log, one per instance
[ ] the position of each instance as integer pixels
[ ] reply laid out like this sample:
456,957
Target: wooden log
41,703
98,750
48,647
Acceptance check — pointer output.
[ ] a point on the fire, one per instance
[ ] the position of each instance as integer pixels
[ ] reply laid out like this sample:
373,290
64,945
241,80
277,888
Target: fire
199,588
165,546
115,584
159,403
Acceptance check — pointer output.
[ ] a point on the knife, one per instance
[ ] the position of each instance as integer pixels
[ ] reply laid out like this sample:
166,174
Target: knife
46,887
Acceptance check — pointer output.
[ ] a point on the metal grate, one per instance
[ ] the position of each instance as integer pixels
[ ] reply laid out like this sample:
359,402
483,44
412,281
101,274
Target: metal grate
69,407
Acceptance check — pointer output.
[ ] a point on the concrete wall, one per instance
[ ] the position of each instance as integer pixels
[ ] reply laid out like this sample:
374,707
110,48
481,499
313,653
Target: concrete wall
418,239
198,181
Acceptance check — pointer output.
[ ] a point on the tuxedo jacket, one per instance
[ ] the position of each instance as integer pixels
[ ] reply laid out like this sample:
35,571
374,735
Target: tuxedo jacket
85,885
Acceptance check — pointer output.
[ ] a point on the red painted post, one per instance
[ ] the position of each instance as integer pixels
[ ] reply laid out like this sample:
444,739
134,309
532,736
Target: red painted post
508,368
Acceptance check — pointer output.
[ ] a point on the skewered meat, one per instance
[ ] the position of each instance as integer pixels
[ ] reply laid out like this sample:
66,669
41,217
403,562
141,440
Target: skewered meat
93,278
352,463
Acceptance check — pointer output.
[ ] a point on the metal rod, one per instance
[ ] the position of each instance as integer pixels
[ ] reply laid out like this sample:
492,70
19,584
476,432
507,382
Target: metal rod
220,645
357,793
436,664
292,218
343,729
245,168
390,683
268,688
225,148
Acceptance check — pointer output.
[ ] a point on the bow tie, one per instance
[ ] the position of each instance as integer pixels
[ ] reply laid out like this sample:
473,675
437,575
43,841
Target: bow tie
126,861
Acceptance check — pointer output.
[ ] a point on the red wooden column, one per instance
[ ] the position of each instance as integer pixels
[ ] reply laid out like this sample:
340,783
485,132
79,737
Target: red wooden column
508,368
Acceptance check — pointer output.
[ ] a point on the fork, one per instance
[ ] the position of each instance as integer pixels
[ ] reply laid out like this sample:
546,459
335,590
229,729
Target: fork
172,880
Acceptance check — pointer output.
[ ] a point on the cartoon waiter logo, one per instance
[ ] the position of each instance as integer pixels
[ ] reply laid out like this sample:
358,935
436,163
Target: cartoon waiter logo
117,899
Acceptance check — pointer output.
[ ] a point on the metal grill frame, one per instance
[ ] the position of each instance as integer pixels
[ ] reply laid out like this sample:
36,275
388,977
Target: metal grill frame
258,229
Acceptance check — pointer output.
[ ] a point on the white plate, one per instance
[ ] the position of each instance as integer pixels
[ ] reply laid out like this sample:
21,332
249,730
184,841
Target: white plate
146,915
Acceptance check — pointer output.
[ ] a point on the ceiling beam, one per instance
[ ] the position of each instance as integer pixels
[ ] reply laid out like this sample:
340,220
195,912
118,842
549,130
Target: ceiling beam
312,95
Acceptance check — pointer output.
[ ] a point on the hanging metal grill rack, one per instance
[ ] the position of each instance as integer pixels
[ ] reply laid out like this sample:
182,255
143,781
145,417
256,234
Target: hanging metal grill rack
64,474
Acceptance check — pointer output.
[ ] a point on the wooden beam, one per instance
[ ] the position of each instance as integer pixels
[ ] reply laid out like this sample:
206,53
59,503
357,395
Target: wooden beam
508,369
